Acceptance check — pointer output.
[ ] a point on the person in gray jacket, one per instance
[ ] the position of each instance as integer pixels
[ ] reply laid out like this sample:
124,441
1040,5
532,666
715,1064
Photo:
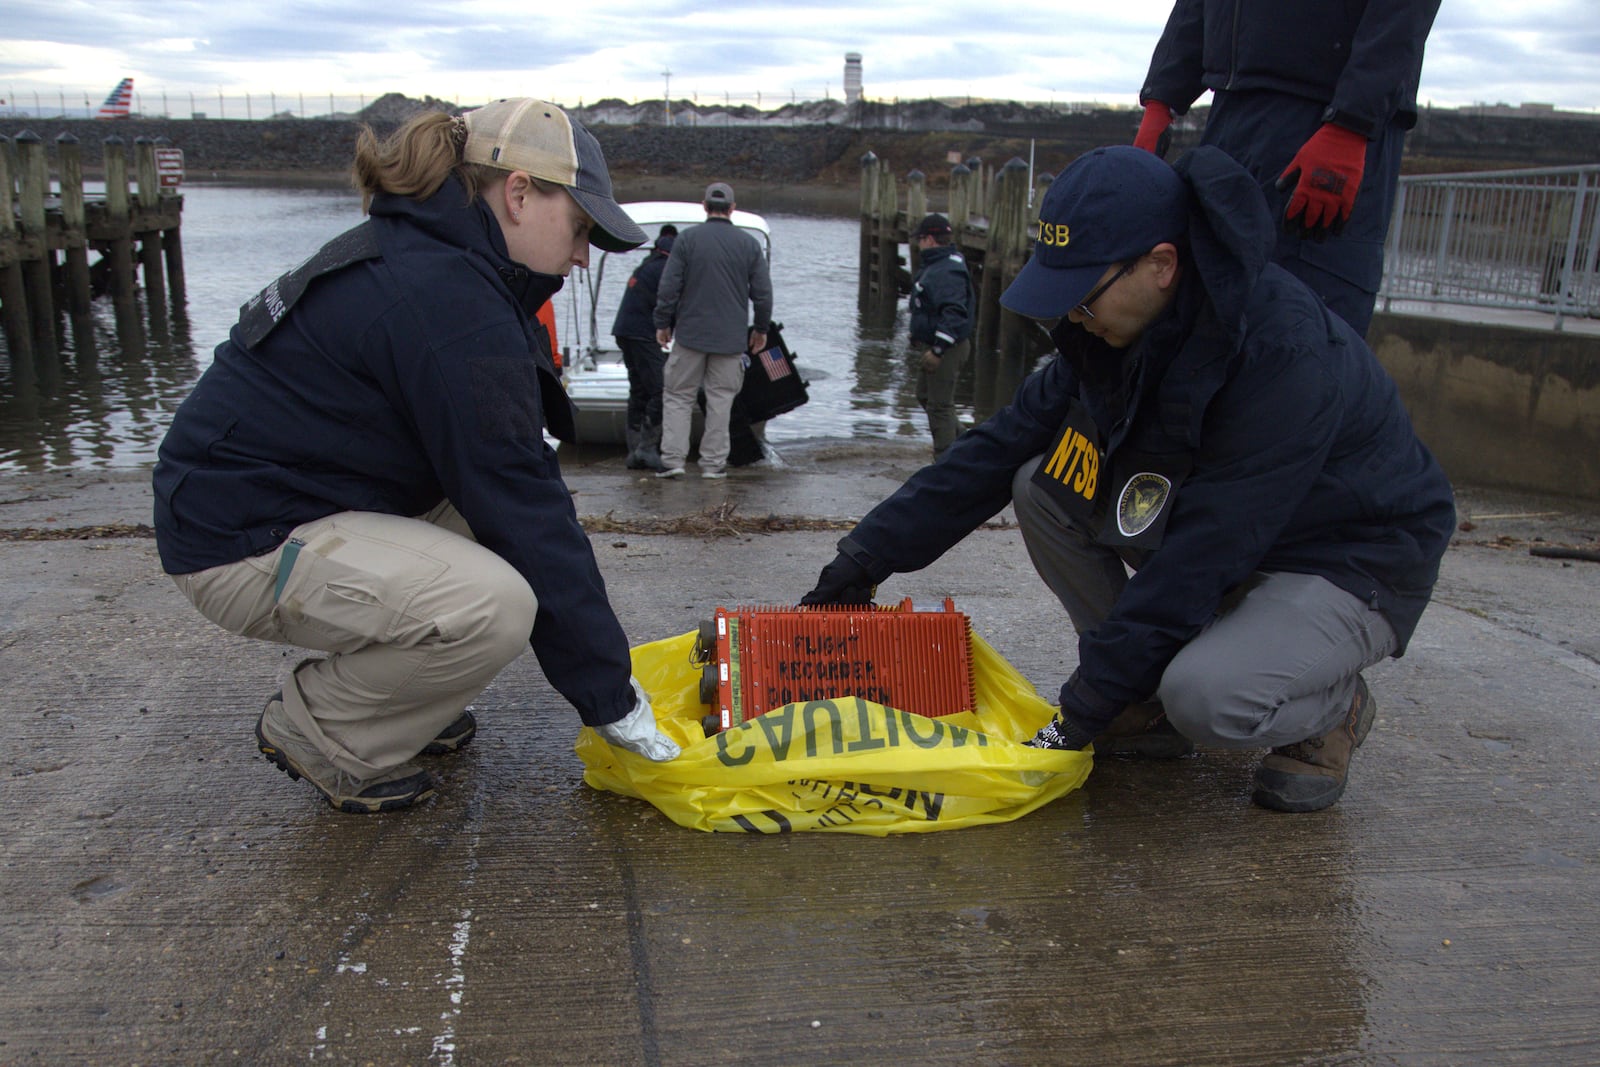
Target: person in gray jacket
714,275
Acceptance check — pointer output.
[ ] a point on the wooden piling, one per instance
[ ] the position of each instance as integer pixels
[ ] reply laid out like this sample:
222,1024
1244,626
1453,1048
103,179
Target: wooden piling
39,259
13,294
916,209
992,227
74,225
986,329
148,232
881,233
890,229
869,201
982,179
1008,250
34,227
962,199
1041,185
119,236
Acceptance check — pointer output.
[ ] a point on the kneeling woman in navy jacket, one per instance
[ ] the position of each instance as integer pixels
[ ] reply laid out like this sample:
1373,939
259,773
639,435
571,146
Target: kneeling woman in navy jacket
363,470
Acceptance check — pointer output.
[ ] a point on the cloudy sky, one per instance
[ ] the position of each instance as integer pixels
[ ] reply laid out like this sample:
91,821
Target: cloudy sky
1491,51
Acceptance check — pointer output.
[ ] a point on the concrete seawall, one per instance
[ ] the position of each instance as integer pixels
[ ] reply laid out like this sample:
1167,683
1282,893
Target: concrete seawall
1500,405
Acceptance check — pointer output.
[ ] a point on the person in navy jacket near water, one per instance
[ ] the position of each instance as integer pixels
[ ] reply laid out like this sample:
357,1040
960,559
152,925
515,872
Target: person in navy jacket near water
1211,425
1314,99
941,326
362,470
635,331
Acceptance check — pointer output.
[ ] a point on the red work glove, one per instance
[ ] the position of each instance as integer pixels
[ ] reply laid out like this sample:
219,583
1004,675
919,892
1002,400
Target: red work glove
1157,117
1329,167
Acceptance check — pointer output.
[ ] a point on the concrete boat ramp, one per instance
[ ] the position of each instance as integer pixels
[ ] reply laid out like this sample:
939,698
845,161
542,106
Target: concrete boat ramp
169,898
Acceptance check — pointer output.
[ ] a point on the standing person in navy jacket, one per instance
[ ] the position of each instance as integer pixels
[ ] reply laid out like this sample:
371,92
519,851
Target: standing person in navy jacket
1210,424
1314,99
941,326
635,331
362,469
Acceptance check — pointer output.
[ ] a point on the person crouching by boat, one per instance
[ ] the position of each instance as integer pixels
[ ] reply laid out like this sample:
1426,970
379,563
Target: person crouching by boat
635,332
362,470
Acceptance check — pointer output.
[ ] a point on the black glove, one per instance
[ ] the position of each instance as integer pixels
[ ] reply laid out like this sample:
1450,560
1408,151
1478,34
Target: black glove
1062,733
844,581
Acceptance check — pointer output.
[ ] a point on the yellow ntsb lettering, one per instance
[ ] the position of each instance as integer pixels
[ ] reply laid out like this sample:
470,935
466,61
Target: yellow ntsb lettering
1055,234
1075,463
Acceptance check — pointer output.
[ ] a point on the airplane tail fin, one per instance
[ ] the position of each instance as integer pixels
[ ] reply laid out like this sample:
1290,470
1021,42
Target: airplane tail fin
118,101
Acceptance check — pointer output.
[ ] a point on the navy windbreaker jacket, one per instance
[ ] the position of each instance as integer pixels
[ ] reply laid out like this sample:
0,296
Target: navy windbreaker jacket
941,299
1361,58
636,311
407,377
1300,456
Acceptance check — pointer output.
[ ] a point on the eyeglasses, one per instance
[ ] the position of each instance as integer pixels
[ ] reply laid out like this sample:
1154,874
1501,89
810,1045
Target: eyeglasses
1083,308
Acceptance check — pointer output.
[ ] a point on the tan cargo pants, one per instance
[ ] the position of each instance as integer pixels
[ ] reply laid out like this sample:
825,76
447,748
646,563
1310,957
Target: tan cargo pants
689,370
416,616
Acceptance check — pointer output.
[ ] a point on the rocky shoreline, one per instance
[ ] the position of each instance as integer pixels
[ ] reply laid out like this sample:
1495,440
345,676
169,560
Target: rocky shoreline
813,161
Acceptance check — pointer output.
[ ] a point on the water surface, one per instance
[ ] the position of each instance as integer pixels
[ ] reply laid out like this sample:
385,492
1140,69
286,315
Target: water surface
106,400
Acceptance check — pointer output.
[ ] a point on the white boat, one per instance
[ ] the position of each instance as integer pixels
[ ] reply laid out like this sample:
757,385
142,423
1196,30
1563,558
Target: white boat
592,367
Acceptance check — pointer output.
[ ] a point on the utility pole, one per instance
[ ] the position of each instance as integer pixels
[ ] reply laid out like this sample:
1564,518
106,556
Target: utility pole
666,97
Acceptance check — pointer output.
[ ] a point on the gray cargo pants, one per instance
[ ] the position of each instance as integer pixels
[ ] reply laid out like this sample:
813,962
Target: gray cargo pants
1277,663
416,616
936,392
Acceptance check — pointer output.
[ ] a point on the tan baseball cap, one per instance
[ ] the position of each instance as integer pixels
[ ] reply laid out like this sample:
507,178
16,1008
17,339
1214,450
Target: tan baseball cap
538,137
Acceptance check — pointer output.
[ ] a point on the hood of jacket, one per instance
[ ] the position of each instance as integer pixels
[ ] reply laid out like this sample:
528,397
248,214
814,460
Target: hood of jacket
1231,233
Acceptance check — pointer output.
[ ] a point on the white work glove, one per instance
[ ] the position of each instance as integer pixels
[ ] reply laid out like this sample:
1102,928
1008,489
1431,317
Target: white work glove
637,731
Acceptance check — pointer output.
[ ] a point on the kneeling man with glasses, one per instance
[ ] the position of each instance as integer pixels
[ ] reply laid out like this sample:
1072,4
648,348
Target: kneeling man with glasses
1214,475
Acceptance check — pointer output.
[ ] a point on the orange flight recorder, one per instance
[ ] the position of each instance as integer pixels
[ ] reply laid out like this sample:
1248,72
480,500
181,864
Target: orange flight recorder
755,659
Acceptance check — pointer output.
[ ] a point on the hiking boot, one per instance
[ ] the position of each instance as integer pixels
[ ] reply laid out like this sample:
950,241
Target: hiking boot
453,738
644,458
1142,731
285,746
1310,775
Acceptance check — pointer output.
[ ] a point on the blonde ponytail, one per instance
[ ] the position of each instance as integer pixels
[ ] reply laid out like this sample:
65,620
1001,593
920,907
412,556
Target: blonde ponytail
416,159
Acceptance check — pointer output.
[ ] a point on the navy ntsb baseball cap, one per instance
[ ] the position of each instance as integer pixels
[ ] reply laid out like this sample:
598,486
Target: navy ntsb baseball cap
1110,205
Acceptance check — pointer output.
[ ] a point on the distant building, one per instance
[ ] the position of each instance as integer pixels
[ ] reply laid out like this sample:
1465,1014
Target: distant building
1526,110
852,77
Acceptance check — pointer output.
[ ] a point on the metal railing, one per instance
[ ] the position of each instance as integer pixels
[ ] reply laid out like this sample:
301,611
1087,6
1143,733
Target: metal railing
1520,239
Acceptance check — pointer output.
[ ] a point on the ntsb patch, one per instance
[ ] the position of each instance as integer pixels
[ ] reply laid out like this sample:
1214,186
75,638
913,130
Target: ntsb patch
1143,487
1069,472
259,314
1140,502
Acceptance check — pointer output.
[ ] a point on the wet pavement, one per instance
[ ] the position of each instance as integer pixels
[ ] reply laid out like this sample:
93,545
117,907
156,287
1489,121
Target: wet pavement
169,898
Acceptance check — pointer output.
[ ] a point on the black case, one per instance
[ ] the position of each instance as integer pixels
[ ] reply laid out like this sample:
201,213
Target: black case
772,382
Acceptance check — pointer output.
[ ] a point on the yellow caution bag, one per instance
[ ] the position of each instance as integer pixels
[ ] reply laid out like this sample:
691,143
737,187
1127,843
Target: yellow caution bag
846,765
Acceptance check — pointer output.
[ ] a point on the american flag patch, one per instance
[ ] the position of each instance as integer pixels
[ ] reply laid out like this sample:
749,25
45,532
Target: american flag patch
774,364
